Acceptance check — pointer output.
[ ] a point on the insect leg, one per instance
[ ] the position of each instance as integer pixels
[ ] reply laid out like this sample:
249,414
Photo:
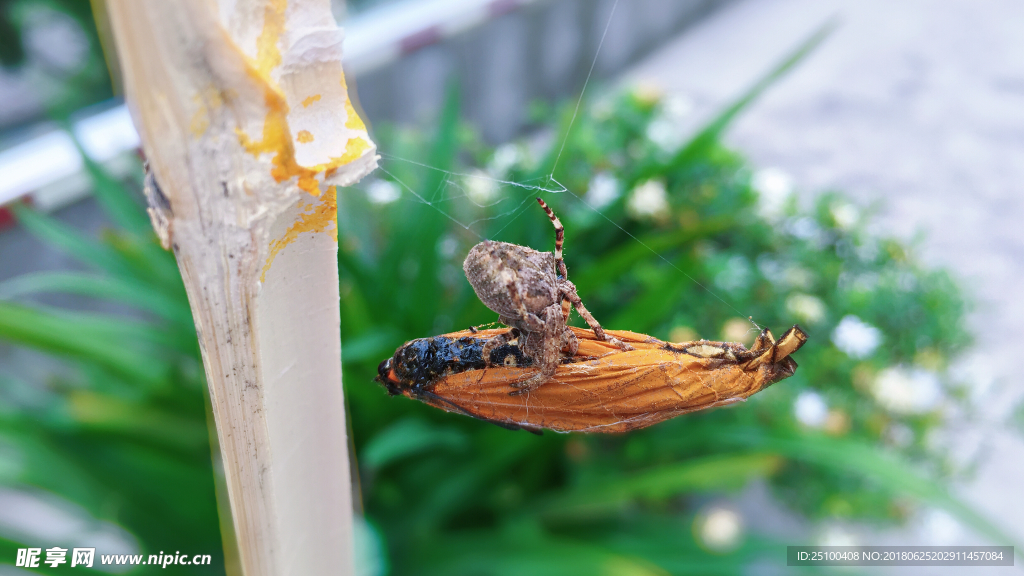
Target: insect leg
495,342
572,296
570,341
559,240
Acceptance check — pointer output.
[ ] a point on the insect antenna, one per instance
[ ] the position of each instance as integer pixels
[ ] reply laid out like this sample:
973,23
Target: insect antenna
559,239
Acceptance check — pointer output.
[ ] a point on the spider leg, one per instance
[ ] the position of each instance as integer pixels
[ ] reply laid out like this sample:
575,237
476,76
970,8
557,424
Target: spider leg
559,240
570,294
560,268
549,356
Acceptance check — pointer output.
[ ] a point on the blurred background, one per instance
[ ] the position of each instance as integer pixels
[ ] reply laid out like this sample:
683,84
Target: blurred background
729,159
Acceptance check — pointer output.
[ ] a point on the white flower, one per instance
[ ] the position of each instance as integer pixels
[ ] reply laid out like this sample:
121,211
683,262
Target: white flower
855,337
798,277
666,130
941,528
505,157
382,191
906,391
480,188
676,107
845,214
774,187
602,190
805,307
648,199
664,134
810,409
837,536
720,529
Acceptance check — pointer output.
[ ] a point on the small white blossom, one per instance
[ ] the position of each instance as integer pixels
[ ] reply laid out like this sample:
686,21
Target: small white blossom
798,277
774,187
720,529
805,307
505,157
810,409
676,107
666,130
648,200
845,215
837,536
856,338
480,188
941,528
602,190
382,191
664,135
906,391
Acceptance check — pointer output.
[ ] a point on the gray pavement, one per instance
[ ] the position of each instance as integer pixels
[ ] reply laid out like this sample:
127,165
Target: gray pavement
917,107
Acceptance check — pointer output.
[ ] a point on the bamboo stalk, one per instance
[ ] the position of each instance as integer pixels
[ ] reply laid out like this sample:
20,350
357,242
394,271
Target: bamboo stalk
245,119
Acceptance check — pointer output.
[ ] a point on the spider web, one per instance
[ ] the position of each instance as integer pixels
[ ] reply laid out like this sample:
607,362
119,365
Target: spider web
529,189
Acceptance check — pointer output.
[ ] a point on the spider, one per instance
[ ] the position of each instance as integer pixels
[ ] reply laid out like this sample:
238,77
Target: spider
533,296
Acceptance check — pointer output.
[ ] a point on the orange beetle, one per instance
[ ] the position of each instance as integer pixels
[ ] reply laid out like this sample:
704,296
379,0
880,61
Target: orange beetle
600,389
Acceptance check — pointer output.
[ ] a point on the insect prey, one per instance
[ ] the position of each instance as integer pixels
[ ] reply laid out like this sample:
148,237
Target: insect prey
600,387
565,378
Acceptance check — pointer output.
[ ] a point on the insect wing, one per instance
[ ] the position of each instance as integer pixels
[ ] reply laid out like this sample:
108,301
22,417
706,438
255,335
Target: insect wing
607,390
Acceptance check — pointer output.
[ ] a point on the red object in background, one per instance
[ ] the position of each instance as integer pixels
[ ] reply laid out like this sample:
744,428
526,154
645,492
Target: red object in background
7,219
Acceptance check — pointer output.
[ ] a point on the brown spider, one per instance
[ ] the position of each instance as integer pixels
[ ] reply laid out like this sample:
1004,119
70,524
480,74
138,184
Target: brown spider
531,293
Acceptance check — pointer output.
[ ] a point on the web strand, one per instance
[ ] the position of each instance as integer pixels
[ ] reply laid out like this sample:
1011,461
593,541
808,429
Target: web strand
583,91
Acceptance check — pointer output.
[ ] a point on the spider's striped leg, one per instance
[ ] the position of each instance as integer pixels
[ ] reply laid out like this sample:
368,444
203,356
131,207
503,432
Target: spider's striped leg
560,268
572,296
559,240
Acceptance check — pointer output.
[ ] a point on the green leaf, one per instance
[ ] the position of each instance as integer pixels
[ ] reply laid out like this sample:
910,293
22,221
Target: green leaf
104,341
376,344
408,437
709,473
128,418
865,460
105,287
58,235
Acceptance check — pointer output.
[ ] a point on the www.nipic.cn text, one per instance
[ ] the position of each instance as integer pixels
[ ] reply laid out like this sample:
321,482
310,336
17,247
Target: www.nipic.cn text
56,556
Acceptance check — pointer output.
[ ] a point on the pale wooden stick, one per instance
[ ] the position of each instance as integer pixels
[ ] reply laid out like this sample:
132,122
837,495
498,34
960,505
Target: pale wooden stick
245,119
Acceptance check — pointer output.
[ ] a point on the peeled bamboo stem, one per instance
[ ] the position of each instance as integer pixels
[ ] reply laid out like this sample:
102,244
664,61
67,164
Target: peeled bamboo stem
245,119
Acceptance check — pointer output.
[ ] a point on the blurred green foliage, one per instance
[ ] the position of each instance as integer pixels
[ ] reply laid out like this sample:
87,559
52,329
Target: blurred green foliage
682,245
125,437
55,46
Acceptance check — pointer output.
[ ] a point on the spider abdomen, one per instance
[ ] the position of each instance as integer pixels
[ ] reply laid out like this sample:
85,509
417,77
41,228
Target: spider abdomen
492,267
